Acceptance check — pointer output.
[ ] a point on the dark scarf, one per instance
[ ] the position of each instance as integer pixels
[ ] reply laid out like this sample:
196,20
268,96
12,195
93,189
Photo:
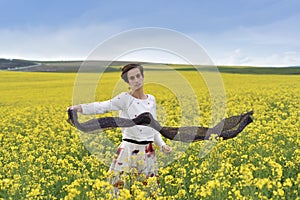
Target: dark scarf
227,128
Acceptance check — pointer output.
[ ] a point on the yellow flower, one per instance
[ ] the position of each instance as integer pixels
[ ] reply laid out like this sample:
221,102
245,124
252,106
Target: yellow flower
125,194
288,183
260,183
281,192
33,193
141,195
181,193
237,194
169,179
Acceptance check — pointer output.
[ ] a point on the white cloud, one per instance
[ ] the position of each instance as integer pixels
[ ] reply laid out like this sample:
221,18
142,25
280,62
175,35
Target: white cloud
282,59
43,43
280,32
273,44
238,57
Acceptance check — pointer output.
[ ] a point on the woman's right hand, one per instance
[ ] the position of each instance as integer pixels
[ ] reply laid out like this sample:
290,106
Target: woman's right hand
76,107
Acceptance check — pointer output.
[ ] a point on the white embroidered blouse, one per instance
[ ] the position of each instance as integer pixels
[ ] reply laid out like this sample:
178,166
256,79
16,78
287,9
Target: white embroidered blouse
129,107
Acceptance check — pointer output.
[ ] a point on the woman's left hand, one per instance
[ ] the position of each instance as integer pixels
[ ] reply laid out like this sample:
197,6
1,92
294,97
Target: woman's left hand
166,149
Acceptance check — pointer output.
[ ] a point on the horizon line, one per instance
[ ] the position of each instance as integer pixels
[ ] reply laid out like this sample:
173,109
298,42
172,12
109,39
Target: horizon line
146,62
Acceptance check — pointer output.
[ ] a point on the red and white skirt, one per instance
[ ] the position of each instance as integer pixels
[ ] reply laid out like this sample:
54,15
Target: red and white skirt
139,156
130,157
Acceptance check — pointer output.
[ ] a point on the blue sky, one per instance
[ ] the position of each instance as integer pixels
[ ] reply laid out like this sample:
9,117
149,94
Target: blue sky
232,32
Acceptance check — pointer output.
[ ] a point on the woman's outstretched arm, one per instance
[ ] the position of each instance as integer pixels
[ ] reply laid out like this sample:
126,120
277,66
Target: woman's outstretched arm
106,122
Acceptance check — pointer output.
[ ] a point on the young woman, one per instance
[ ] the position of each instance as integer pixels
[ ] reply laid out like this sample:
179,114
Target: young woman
136,150
140,128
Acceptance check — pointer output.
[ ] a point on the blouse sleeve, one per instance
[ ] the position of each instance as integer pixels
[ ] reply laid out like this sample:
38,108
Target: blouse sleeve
116,103
158,140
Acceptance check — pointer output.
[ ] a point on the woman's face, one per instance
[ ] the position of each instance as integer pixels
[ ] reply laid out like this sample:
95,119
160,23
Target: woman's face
135,79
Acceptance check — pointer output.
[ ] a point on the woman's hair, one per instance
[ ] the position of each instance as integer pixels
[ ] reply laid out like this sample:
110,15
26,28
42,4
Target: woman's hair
128,67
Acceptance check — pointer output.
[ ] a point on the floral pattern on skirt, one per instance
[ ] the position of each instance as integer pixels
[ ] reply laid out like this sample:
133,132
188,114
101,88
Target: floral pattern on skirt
131,157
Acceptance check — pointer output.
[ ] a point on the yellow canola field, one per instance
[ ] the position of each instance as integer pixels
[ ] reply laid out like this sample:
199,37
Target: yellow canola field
43,157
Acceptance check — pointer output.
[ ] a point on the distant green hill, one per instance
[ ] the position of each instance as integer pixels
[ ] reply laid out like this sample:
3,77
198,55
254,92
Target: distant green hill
260,70
250,70
74,66
11,64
